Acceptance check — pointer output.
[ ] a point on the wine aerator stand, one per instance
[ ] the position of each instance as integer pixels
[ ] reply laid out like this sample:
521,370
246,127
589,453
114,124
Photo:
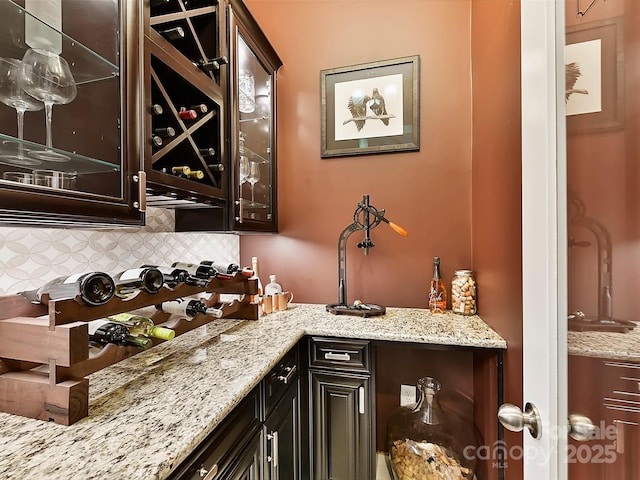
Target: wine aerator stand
31,340
366,217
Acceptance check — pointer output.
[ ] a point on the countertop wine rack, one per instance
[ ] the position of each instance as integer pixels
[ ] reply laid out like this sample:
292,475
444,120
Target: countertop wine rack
44,349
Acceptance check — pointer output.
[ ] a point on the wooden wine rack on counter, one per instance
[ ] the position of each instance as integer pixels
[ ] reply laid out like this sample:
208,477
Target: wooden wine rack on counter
44,350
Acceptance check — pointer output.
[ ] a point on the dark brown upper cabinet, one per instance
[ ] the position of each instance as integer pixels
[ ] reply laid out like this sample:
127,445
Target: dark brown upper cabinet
249,148
82,166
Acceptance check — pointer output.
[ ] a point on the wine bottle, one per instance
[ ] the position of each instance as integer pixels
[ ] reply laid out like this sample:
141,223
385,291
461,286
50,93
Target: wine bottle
165,132
195,175
216,167
189,308
92,288
207,152
256,274
195,269
185,114
200,109
156,140
104,332
139,325
437,290
156,109
174,276
212,65
128,282
181,170
175,33
158,3
225,268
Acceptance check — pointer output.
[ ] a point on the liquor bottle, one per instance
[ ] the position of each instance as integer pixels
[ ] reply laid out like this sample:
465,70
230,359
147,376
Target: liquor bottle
92,288
200,109
156,109
207,152
174,276
104,332
175,33
216,167
156,141
185,114
165,132
273,287
139,325
256,275
189,308
437,290
130,281
212,65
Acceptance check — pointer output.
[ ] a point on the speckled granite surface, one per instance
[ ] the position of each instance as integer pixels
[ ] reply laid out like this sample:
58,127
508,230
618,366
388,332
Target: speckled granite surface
608,345
147,413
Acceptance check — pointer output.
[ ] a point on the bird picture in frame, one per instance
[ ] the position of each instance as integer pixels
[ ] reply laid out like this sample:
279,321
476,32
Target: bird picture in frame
365,107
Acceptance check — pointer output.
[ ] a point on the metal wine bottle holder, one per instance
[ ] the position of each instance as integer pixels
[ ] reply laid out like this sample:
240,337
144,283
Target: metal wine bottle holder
366,217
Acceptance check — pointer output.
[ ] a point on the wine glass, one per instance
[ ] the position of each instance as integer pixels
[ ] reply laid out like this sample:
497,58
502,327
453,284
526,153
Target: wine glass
244,169
13,95
254,176
48,78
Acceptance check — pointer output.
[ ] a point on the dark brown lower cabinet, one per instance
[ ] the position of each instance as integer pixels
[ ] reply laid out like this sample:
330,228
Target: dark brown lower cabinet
342,410
283,438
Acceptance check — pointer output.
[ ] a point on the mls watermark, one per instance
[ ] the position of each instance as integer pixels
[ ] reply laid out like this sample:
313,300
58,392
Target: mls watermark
600,449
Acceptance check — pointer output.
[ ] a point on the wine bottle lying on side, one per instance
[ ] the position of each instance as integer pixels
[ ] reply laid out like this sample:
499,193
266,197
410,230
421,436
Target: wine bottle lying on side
92,289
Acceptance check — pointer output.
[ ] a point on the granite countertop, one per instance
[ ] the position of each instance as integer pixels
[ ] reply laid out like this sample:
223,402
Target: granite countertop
148,412
607,345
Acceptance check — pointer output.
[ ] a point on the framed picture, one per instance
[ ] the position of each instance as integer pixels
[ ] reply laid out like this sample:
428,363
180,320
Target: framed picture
370,108
594,68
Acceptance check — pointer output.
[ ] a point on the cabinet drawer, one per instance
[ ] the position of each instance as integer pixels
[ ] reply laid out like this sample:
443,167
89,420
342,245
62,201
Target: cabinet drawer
622,395
338,354
280,378
222,448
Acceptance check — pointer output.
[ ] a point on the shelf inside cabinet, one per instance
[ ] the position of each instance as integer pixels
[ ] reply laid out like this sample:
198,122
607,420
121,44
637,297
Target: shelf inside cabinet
86,64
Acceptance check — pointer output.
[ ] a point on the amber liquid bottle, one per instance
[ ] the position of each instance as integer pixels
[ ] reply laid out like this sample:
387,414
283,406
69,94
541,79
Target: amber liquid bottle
437,290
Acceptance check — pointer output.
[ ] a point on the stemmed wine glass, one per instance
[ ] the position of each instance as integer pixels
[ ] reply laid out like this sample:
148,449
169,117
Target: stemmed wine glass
13,95
244,169
48,78
254,176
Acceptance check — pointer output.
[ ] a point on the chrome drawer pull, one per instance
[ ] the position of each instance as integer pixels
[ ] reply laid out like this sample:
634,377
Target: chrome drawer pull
208,474
337,356
287,378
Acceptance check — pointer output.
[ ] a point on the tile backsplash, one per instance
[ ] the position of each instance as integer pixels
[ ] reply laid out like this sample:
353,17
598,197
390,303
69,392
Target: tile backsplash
30,256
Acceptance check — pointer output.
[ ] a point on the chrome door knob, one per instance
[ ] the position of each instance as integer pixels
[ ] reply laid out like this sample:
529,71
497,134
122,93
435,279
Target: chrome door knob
581,428
514,419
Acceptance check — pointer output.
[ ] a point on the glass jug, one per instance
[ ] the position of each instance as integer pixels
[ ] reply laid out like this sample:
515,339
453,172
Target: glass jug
424,442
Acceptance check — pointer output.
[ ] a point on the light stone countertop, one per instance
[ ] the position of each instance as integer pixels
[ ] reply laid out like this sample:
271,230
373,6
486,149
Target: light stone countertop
148,412
607,345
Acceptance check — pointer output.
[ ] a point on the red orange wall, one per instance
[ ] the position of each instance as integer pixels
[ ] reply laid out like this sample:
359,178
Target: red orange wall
427,192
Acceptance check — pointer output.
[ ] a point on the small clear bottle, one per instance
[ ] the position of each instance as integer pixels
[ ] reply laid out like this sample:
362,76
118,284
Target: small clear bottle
463,293
272,288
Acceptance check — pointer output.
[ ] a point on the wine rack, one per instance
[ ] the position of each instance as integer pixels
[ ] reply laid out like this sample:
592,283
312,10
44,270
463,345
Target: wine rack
180,35
44,349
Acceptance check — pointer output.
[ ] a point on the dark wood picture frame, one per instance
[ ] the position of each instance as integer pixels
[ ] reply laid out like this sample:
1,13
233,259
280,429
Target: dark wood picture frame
611,34
349,124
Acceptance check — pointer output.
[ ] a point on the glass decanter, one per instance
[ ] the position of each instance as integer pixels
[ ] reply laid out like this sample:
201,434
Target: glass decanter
425,442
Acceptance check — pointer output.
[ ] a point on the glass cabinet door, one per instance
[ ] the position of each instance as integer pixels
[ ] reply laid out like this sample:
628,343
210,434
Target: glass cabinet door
253,124
63,88
254,136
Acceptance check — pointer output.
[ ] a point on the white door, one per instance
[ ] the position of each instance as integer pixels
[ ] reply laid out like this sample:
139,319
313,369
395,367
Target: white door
544,236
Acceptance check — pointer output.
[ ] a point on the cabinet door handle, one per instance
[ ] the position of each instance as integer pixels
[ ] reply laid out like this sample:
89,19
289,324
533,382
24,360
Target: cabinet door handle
208,474
361,400
287,378
337,356
273,437
141,180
